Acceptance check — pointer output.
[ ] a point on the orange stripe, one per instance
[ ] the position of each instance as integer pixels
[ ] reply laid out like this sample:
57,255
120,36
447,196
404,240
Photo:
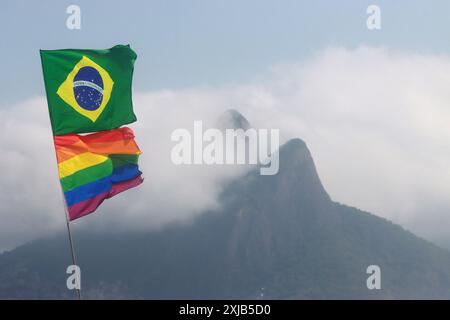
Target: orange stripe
64,153
119,147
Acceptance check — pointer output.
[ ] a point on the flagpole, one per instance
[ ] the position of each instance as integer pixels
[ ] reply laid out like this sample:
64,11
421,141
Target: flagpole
69,233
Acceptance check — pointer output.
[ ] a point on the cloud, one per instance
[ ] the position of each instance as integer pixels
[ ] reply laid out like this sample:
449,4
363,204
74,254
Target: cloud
29,193
375,120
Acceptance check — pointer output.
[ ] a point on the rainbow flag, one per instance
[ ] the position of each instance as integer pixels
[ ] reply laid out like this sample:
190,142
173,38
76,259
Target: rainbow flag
96,167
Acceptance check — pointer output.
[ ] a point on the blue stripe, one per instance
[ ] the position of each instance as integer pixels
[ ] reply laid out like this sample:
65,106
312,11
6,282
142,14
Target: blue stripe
92,189
125,172
88,191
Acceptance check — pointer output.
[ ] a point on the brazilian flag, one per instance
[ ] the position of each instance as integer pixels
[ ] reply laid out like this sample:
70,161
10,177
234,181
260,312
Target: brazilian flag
88,90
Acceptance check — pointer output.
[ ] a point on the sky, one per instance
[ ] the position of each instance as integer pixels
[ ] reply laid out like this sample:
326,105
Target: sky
372,106
207,43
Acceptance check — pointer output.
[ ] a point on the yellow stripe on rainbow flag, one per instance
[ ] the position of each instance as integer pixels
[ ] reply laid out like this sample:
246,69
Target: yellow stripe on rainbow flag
79,162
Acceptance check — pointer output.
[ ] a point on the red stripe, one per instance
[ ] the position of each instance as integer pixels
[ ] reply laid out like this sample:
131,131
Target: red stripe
88,206
124,133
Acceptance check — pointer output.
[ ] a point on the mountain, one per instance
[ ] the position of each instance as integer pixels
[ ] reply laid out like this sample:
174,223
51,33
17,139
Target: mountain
279,237
232,119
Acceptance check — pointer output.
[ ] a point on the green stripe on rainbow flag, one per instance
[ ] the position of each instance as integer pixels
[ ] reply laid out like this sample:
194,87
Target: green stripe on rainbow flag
87,175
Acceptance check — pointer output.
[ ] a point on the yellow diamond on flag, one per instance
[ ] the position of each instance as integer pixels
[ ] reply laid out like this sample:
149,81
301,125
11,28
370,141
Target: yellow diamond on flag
87,89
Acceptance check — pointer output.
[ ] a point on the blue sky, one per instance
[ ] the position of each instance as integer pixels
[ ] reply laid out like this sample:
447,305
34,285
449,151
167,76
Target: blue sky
207,43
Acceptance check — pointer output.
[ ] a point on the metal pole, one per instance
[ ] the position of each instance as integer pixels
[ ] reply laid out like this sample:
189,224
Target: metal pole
69,233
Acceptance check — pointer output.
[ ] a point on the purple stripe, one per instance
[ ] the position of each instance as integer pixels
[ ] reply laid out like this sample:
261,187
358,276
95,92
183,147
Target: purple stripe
83,208
125,185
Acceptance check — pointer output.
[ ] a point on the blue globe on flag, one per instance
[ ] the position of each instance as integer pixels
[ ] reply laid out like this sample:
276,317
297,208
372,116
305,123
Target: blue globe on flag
88,88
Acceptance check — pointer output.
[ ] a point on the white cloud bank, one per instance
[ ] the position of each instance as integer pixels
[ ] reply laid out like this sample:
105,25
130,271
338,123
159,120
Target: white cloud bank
377,123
